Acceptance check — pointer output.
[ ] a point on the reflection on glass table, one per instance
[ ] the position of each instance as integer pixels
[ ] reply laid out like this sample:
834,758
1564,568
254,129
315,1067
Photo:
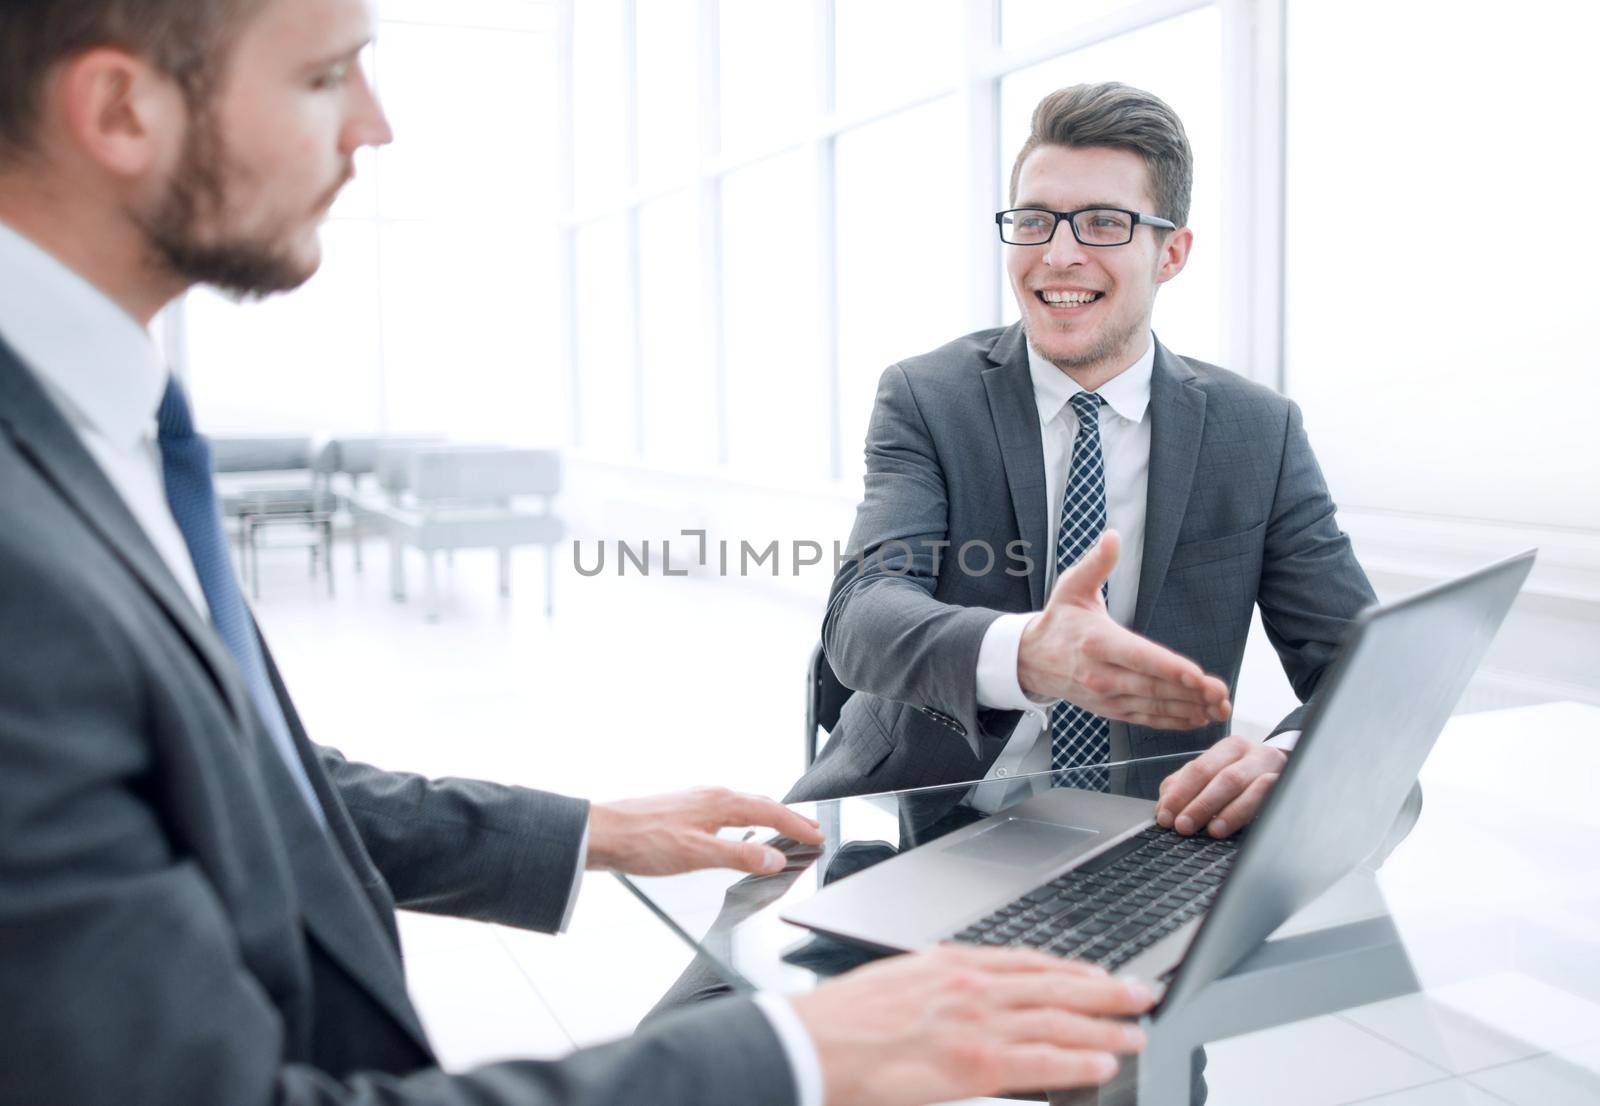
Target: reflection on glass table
1488,904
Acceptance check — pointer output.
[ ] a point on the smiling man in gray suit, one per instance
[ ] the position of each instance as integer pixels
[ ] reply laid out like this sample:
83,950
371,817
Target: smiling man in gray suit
1066,526
196,902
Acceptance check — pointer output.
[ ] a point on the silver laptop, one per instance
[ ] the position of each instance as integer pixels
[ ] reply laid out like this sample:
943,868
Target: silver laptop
1090,875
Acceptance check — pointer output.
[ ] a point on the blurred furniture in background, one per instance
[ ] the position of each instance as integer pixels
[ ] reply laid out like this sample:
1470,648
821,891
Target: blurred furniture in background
341,463
440,498
269,482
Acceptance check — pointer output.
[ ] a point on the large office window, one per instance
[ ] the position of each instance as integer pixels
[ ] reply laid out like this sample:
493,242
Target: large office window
767,78
679,380
1439,285
900,284
803,194
888,50
1026,22
435,309
777,397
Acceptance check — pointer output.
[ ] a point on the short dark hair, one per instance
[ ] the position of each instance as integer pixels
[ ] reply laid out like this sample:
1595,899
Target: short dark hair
1124,118
186,39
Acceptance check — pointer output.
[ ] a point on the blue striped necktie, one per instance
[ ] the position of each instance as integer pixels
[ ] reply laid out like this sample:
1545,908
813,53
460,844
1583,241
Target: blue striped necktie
1077,737
186,471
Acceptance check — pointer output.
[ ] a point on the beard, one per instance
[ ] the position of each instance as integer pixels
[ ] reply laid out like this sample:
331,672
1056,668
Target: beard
240,266
1110,343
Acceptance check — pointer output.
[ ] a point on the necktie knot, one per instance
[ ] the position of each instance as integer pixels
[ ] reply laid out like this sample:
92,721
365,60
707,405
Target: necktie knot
1086,405
173,418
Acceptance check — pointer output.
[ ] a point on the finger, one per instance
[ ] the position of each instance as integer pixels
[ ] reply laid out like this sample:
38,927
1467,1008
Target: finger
1160,722
1225,786
1029,1067
1243,810
756,810
1112,681
1158,714
1083,579
1126,649
1066,1029
742,856
1017,960
1082,994
1184,786
1221,709
1175,792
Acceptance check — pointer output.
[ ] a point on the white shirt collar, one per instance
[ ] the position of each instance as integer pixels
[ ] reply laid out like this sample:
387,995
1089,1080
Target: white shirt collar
94,359
1127,393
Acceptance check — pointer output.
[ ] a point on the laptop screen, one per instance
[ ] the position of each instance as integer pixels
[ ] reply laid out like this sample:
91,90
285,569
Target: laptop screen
1371,725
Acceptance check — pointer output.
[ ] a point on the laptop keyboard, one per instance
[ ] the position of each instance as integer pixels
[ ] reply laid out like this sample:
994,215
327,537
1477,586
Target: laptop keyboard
1114,906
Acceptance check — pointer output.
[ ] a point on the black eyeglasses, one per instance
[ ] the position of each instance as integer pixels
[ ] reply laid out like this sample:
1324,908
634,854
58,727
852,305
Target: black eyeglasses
1093,226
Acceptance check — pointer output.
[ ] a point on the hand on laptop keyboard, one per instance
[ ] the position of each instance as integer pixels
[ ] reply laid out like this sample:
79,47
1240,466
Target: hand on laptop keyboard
1222,789
956,1023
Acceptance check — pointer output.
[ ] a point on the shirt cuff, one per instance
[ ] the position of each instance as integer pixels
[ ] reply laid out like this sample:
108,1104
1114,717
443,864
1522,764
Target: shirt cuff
1284,740
998,687
577,879
797,1046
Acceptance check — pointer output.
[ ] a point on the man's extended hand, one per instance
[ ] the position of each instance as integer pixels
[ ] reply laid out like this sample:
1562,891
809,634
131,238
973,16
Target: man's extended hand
1222,789
955,1023
1073,650
663,835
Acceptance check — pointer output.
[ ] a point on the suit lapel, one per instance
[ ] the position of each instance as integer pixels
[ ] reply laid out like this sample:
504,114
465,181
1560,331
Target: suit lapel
43,435
1178,416
332,867
1016,426
342,830
336,910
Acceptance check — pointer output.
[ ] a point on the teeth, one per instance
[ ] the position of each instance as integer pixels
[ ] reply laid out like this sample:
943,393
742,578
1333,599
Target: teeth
1069,297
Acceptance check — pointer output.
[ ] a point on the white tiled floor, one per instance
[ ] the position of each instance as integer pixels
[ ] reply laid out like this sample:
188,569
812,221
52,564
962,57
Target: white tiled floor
1505,1037
640,685
635,685
1482,1023
1318,1062
1452,1092
1570,1076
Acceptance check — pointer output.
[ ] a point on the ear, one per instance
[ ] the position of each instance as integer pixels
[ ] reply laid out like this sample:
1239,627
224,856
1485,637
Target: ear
1174,254
119,112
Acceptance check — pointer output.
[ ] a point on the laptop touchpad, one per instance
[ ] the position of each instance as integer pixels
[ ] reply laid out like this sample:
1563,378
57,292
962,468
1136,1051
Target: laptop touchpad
1023,843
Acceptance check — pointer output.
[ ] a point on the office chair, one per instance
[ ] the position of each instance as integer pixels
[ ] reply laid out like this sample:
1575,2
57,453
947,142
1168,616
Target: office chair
825,698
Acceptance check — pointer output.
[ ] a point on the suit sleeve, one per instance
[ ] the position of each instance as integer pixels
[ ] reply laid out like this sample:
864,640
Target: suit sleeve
121,978
1311,584
884,631
467,848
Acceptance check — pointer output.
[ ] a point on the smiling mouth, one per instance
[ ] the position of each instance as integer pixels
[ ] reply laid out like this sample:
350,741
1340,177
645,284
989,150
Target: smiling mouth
1053,298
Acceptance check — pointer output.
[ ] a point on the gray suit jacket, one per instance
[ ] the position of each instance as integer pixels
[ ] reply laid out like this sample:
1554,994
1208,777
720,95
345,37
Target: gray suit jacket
1237,516
175,927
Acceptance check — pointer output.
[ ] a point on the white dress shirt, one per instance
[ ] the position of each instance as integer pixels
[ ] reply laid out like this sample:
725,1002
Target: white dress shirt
106,375
1125,446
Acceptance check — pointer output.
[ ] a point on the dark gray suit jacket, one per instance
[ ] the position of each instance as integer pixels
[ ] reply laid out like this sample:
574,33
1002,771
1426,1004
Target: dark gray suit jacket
1237,516
174,925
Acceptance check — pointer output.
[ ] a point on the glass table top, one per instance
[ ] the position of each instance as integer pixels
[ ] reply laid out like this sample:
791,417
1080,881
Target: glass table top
733,920
1487,903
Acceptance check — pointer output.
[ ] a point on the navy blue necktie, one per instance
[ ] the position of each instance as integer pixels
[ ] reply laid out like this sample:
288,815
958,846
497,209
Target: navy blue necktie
1078,739
186,471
